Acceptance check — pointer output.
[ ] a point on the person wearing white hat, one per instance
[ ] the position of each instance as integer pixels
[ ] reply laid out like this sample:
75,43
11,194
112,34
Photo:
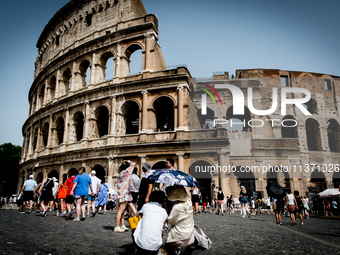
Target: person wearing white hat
27,192
91,199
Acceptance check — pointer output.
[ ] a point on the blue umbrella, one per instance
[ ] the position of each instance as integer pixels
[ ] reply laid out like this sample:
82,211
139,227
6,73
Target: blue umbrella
173,177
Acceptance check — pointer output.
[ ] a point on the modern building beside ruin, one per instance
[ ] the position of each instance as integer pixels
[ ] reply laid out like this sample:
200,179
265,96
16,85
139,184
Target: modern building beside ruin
88,110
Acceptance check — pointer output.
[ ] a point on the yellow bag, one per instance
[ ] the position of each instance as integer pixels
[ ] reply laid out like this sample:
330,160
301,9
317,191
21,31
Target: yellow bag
133,221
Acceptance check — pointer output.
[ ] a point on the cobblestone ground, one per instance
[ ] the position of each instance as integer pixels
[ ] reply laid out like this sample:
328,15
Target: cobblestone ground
230,234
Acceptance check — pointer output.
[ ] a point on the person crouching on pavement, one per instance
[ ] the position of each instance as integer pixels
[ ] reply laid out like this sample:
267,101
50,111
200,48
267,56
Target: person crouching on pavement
181,219
148,234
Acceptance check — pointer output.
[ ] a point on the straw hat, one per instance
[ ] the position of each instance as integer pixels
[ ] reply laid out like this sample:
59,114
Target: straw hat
176,193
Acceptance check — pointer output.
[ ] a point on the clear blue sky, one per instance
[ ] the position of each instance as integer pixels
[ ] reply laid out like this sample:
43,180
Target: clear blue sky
207,36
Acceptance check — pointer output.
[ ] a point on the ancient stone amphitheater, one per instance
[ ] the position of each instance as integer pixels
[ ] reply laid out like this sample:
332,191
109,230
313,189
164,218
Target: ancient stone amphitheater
88,110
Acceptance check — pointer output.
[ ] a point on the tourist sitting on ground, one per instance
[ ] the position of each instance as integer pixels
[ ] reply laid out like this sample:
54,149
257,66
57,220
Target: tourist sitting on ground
148,234
181,219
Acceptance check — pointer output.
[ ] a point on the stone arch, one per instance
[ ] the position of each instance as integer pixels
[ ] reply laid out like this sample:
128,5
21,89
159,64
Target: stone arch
78,126
35,139
102,120
54,173
42,95
105,62
206,121
52,87
39,177
289,129
85,70
130,114
100,172
318,180
311,106
336,180
132,49
59,130
164,112
66,81
159,165
333,134
313,135
72,171
199,169
45,133
306,75
277,175
246,178
238,119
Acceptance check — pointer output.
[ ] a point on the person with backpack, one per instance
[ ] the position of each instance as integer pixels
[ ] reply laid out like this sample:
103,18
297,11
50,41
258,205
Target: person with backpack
46,193
220,201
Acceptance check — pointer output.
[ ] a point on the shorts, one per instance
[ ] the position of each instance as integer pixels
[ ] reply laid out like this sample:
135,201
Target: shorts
91,198
291,208
204,204
195,199
28,195
69,200
134,197
80,196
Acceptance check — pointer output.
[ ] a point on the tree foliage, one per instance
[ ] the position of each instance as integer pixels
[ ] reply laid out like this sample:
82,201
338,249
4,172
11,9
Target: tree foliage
9,168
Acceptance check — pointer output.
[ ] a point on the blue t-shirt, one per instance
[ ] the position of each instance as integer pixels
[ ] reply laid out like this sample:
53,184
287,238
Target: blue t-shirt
83,183
29,185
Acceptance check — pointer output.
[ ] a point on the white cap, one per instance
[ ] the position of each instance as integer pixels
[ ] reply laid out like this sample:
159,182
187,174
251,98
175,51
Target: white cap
31,176
93,172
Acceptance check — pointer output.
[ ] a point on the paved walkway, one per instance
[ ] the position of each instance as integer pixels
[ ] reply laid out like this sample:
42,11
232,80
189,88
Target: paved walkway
230,234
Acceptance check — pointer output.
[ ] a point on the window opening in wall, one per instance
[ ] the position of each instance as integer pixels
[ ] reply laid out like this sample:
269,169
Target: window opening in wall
67,80
336,180
107,65
136,63
328,84
35,139
89,19
284,81
288,130
78,122
57,39
313,135
108,32
164,109
44,132
60,124
130,112
52,85
102,117
333,133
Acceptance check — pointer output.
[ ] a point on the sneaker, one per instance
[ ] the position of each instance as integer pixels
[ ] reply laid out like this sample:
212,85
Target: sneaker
30,211
83,218
104,213
44,213
58,214
21,211
124,228
249,215
69,215
33,211
93,213
280,223
62,214
76,219
301,223
118,229
88,215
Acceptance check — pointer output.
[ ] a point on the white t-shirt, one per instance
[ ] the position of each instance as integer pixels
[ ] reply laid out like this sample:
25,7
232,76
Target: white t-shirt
95,181
55,188
268,201
148,234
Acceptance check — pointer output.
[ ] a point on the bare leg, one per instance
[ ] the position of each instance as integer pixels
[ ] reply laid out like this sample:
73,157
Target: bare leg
121,210
78,205
83,206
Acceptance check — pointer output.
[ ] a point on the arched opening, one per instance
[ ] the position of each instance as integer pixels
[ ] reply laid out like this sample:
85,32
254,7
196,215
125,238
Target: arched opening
313,135
100,172
45,131
164,110
102,118
135,58
159,165
72,171
34,104
277,175
318,180
60,126
55,174
238,122
85,70
333,133
246,178
311,106
289,127
107,65
39,178
67,80
199,170
78,123
206,121
336,180
35,139
42,96
52,85
130,111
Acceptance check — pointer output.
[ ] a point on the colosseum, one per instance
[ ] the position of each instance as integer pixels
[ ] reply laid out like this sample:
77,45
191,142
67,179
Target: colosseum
88,110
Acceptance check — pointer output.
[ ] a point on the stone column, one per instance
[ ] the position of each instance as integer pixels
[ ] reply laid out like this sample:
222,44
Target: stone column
180,106
74,82
87,120
61,172
224,177
38,147
44,173
67,126
113,116
145,111
57,85
45,94
111,165
180,163
50,130
142,159
93,73
30,145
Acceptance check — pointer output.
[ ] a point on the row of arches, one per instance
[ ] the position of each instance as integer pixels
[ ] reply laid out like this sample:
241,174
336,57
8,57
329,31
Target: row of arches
74,77
55,133
288,130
